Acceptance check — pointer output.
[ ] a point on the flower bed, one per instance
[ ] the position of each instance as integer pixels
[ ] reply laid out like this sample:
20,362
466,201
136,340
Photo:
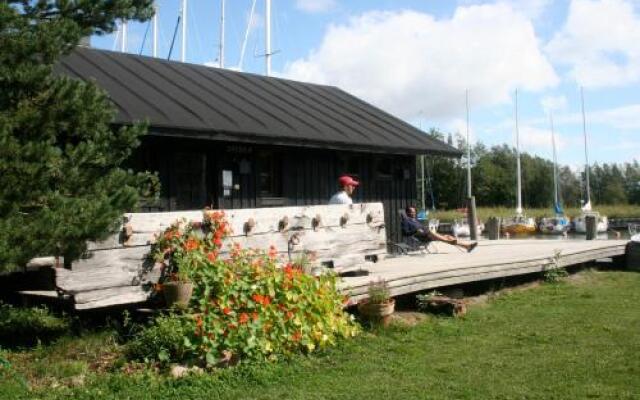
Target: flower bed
247,305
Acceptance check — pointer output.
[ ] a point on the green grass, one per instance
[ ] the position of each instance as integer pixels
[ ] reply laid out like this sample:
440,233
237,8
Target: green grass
619,211
574,340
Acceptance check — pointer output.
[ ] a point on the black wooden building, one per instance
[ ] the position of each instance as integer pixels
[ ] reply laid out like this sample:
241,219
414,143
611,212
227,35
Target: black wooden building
228,140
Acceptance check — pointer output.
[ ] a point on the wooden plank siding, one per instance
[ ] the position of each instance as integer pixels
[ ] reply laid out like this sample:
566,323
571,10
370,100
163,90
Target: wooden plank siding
190,172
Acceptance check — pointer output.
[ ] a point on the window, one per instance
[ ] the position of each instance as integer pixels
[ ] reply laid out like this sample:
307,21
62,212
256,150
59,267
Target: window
269,174
383,168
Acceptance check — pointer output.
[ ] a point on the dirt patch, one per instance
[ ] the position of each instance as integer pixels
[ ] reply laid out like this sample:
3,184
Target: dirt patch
409,318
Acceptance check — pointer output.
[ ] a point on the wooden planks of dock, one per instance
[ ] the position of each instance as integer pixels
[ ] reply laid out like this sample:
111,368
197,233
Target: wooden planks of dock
491,259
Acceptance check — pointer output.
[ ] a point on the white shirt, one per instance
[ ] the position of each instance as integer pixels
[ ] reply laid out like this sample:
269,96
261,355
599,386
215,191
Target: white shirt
340,198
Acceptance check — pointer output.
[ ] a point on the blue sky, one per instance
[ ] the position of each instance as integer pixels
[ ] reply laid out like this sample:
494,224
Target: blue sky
416,59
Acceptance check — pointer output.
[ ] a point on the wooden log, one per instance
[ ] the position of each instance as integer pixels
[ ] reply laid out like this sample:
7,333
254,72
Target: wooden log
591,223
111,297
142,228
633,256
107,268
493,228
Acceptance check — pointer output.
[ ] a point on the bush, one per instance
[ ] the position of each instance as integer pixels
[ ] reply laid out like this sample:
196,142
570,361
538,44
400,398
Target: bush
161,342
29,326
246,306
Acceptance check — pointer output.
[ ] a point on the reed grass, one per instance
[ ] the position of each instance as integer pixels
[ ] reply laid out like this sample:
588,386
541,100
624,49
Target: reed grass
611,211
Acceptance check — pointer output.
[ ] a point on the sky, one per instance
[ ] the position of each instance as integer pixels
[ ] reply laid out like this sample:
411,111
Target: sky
418,59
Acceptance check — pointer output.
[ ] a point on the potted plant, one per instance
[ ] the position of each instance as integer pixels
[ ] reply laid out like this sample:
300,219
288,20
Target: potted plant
176,250
379,305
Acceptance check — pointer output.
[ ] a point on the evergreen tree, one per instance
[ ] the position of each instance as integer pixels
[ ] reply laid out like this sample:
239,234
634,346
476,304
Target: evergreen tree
61,176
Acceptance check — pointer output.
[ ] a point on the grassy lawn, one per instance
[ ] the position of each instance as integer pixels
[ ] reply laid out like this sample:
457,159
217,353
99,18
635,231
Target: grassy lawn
618,211
573,340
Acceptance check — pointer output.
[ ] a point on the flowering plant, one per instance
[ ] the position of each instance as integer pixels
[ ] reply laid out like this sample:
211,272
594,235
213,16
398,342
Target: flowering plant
182,246
249,304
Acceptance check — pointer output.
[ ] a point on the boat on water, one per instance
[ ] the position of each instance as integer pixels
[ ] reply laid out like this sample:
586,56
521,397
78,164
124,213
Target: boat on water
519,223
431,223
580,222
559,224
461,228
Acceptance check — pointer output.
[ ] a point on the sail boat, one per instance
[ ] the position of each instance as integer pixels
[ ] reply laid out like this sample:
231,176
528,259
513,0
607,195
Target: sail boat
461,227
559,224
519,223
580,222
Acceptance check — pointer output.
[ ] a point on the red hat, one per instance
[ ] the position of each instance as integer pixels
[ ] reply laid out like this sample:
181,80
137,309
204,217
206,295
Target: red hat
346,180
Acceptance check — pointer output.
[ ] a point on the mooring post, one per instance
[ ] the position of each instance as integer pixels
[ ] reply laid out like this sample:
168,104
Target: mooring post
471,217
592,227
493,228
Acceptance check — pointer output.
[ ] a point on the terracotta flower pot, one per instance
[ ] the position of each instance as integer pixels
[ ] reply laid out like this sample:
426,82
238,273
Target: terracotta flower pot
177,293
377,312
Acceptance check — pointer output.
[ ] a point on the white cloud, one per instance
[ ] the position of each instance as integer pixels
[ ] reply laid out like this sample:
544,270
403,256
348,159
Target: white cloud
599,43
408,62
315,6
538,140
622,118
553,103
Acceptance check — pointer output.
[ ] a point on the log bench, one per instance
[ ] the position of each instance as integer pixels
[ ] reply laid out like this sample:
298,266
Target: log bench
116,271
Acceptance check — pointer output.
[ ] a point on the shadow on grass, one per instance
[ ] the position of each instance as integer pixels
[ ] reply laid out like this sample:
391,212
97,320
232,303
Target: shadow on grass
27,327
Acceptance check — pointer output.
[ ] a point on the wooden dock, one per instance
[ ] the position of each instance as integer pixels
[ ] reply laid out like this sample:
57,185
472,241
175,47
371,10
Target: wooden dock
491,259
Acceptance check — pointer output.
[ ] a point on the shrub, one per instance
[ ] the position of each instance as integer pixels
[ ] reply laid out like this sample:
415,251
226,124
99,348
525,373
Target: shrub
161,342
246,305
28,326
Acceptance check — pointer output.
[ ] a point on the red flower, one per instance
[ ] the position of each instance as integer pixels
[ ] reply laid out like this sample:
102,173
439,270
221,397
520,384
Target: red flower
217,241
296,336
226,311
244,318
255,316
289,315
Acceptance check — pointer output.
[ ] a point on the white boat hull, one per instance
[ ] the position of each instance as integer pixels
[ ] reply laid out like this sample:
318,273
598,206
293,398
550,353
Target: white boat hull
462,229
580,224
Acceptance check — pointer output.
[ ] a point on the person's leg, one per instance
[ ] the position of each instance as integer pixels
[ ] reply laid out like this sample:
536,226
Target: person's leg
469,246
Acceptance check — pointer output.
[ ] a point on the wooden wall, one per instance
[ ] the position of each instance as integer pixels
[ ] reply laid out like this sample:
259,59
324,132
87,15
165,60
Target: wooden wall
191,175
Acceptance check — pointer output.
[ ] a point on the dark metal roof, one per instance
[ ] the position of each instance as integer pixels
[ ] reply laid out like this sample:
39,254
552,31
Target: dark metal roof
188,100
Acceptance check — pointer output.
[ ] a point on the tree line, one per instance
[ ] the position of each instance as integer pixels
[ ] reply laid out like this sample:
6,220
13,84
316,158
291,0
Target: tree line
493,175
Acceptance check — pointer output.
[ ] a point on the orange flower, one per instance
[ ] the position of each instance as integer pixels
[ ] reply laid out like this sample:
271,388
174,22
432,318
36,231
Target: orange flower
217,242
226,311
255,316
273,252
199,321
289,315
191,244
296,336
212,256
258,298
244,318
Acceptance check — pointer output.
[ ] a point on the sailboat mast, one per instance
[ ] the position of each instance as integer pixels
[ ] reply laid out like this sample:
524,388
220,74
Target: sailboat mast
519,183
468,147
221,57
183,50
555,163
154,50
586,152
267,17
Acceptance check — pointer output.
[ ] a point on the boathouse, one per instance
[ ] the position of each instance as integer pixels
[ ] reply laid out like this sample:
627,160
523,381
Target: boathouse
229,140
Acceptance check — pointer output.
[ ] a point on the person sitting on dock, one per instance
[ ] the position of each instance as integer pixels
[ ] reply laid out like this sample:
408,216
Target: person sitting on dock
412,227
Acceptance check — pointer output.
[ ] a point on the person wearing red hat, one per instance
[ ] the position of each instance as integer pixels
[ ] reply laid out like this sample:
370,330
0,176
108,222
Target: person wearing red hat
347,186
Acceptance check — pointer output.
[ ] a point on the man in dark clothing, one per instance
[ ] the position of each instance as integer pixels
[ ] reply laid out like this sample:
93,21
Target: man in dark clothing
412,227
